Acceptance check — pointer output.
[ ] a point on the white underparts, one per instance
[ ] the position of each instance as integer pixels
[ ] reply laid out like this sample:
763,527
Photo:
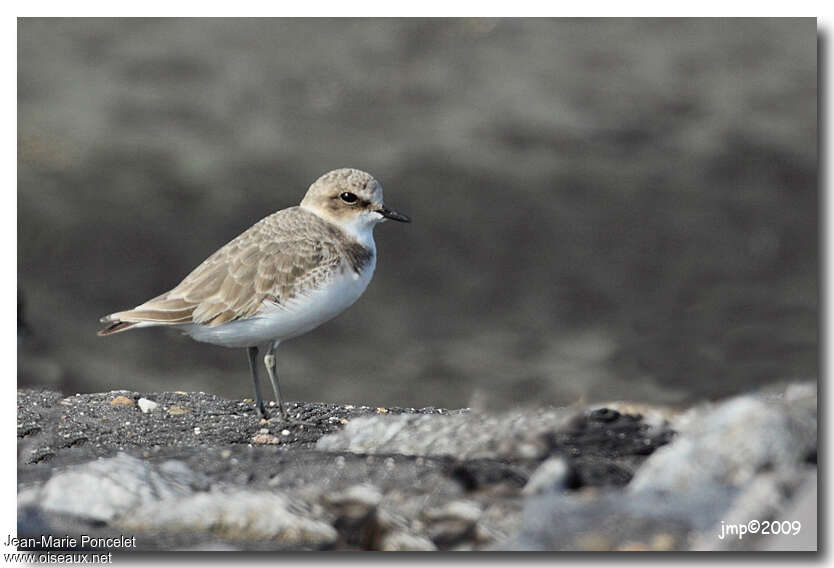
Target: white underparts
295,317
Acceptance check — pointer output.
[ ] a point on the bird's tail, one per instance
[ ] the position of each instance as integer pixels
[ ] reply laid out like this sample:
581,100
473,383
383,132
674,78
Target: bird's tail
115,326
159,311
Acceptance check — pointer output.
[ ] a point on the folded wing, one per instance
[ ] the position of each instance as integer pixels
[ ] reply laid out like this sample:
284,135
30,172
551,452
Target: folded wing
277,259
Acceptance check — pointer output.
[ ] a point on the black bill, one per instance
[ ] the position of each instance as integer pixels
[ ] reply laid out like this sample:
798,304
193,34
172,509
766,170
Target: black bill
393,215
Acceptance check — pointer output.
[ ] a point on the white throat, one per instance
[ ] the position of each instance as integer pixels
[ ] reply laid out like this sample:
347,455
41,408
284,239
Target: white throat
360,226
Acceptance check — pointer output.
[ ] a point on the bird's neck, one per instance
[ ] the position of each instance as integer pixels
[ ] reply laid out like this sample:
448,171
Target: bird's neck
359,228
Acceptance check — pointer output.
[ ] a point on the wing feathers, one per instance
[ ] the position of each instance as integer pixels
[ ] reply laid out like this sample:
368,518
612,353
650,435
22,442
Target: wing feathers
286,254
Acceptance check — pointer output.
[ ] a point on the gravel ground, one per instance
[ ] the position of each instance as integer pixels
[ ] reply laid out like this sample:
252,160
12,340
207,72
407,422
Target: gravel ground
193,471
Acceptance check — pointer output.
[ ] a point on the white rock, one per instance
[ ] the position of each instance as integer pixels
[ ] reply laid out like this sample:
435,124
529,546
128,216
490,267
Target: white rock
468,511
400,541
465,436
106,488
362,494
234,515
550,476
146,405
730,443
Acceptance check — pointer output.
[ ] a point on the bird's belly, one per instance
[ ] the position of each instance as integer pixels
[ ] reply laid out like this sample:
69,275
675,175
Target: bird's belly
298,316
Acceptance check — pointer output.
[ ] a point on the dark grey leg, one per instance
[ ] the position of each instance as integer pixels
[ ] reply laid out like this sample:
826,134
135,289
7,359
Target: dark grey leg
272,368
253,368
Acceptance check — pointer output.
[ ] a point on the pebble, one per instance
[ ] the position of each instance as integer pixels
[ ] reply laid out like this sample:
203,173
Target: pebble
356,499
177,410
147,405
122,400
265,439
453,523
400,541
459,510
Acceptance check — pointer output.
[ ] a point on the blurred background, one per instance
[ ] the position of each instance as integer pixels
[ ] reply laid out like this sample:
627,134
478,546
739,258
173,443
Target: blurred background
603,209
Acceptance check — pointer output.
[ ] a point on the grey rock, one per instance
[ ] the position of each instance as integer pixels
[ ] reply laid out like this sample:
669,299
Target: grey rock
736,461
453,524
769,497
464,435
103,489
411,480
614,520
731,442
803,509
234,515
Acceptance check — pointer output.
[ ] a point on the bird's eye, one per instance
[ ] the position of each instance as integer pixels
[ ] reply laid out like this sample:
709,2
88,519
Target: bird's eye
348,197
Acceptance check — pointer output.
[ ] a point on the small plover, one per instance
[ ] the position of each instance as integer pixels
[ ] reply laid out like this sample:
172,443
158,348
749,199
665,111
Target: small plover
284,276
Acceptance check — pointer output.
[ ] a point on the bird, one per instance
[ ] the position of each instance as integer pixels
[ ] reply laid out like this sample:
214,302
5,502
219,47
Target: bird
283,277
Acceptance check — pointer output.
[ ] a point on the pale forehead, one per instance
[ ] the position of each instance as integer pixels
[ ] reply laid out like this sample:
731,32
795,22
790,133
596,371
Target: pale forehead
348,179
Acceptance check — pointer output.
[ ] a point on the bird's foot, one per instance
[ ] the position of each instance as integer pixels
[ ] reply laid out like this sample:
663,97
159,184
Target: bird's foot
282,412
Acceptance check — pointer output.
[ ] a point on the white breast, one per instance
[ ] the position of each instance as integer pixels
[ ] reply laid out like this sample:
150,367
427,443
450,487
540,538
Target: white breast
298,316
